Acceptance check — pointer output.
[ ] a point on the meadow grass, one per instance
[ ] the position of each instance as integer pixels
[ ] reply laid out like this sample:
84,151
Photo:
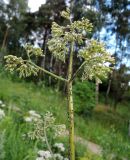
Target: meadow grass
96,128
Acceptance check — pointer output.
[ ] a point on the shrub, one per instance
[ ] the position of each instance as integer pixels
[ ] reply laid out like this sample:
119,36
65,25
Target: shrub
84,97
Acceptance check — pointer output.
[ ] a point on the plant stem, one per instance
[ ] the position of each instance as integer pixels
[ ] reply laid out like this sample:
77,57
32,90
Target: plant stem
78,70
49,73
70,105
47,143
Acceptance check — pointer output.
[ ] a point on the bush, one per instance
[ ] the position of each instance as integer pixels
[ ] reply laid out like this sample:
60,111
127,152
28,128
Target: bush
84,97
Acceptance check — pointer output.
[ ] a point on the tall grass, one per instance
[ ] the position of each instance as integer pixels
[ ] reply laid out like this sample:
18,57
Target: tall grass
27,96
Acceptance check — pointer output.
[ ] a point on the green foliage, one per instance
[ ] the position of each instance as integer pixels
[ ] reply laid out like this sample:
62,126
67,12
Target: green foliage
84,97
27,96
2,143
90,156
80,150
112,142
14,146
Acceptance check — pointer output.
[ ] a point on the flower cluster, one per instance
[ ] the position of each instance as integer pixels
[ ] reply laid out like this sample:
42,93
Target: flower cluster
2,113
31,50
60,130
43,125
60,146
23,67
97,60
2,104
57,154
44,155
32,116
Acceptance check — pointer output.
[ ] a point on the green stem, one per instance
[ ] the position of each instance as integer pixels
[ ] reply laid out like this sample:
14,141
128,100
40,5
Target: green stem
47,143
70,105
49,73
78,70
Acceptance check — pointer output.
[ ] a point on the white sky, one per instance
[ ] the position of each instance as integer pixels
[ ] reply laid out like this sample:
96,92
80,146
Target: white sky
35,4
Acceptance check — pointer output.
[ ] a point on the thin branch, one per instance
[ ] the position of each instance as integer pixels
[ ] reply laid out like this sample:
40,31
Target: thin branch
47,143
49,73
78,70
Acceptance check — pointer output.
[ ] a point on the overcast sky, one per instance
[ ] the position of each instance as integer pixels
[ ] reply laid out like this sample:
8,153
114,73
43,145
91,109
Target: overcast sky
35,4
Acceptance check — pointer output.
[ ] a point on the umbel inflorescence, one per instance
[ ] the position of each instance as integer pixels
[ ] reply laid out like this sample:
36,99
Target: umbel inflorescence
95,57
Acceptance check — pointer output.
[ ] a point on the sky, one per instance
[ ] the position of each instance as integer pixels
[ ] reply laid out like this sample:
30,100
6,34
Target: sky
35,4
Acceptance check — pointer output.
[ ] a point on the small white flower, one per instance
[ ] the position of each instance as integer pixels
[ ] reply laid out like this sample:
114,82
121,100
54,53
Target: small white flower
40,158
60,130
28,119
2,114
60,146
58,156
31,112
3,105
34,114
44,154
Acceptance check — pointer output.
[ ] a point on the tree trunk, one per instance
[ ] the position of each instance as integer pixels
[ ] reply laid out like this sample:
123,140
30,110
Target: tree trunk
42,60
50,68
115,104
108,91
70,105
44,48
97,92
5,38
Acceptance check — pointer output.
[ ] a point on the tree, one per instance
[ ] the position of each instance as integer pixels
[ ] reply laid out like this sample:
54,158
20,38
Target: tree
62,44
120,84
116,22
12,26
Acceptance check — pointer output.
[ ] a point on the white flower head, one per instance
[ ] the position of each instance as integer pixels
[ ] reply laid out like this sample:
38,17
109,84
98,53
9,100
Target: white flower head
40,158
28,119
58,156
60,146
34,114
3,105
60,130
44,154
2,114
32,117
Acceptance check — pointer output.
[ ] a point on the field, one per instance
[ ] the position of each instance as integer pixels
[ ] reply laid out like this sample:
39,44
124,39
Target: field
104,127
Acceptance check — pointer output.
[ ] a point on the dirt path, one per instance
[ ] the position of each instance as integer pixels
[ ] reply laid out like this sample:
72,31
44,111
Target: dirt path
94,148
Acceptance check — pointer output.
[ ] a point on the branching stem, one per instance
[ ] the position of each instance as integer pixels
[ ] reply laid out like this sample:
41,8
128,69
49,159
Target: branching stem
49,73
47,143
78,70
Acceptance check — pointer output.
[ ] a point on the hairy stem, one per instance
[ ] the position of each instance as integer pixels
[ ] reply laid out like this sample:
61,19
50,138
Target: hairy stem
70,105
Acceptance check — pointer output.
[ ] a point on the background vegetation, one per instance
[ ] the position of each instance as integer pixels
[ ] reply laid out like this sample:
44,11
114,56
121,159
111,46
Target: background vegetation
101,110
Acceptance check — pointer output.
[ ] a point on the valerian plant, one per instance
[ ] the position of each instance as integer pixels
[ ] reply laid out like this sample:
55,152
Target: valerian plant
95,60
41,126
